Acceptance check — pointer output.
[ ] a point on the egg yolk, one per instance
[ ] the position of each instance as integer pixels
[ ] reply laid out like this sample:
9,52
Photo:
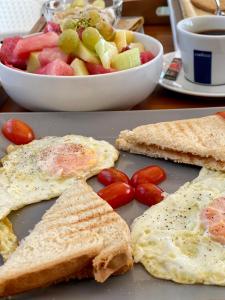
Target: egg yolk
213,219
66,160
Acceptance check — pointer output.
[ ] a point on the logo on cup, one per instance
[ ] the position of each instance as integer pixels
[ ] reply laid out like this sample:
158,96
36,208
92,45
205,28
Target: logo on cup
203,66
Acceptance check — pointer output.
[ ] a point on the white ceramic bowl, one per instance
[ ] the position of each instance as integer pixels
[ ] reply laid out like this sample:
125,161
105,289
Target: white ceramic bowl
119,90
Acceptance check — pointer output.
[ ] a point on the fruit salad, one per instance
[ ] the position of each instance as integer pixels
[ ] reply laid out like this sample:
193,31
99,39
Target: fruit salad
87,47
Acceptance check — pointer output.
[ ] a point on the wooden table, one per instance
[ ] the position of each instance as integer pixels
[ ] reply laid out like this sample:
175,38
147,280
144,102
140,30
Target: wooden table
161,98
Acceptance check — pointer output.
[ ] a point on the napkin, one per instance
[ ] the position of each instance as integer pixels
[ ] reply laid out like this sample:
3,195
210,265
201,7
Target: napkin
130,23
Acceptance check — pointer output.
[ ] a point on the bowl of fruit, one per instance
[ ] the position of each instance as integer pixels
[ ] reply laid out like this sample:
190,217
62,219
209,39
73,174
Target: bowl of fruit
82,68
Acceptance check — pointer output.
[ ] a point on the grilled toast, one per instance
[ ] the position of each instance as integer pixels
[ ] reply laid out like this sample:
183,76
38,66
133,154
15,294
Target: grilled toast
79,236
208,5
199,141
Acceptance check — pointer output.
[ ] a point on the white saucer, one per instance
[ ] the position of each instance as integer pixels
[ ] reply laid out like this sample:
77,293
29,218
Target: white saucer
182,85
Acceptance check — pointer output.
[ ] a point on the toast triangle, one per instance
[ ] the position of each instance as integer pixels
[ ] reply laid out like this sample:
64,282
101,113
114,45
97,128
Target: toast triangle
79,236
199,141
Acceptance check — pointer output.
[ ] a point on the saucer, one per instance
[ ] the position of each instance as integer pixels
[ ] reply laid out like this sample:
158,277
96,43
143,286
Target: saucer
184,86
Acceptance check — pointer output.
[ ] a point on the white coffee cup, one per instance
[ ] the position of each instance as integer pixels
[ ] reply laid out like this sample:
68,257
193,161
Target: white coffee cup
203,56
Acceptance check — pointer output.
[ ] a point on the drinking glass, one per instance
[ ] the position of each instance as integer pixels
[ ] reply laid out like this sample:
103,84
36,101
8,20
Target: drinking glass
51,7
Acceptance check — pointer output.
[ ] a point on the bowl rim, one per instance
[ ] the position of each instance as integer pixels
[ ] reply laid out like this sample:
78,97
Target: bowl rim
186,32
160,53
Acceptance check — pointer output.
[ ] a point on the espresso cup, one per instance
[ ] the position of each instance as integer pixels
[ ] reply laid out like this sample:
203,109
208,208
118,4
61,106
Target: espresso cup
202,45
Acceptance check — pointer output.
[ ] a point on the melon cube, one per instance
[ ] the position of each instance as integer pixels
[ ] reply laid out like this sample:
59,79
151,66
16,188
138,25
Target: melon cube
106,51
79,67
126,60
33,63
121,40
85,54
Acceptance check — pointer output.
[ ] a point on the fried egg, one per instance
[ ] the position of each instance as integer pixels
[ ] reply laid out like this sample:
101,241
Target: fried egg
183,237
44,168
8,240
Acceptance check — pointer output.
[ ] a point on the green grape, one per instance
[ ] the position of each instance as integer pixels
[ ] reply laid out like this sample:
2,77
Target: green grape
69,24
90,37
99,3
93,17
68,41
77,3
106,30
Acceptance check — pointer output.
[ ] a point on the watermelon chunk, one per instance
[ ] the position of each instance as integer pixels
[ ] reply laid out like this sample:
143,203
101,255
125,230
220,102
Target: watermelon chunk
6,53
56,67
94,69
47,55
15,68
52,27
34,43
146,56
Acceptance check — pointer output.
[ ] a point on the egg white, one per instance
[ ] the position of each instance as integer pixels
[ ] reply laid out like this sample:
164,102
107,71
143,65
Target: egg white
169,240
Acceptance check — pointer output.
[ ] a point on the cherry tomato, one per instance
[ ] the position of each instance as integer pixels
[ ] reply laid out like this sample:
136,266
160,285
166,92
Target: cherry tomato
148,194
150,174
117,194
111,175
17,132
221,113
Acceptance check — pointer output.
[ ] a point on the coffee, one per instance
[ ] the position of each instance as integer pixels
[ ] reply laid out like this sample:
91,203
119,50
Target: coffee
213,32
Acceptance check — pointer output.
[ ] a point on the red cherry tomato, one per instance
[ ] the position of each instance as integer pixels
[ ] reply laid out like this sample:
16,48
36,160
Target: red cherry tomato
150,174
221,113
17,132
111,175
148,194
117,194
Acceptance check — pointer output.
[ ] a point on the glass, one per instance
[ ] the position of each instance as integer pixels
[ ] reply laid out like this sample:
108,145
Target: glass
51,7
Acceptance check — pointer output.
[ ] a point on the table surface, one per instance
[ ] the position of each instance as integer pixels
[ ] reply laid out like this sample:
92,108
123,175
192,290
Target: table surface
160,99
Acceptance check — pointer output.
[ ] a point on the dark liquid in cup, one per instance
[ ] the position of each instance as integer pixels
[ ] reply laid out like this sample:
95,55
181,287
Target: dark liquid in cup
213,32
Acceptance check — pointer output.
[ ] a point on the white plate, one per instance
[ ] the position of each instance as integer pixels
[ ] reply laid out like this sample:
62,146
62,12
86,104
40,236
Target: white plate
182,85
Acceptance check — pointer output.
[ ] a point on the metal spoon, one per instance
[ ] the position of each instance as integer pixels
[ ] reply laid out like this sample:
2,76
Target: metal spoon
219,12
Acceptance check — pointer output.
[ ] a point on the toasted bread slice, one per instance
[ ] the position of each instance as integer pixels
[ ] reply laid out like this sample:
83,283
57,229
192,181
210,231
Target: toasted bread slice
199,141
79,236
208,5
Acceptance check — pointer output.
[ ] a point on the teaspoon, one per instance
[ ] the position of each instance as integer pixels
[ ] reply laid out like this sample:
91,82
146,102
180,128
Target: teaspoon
219,12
